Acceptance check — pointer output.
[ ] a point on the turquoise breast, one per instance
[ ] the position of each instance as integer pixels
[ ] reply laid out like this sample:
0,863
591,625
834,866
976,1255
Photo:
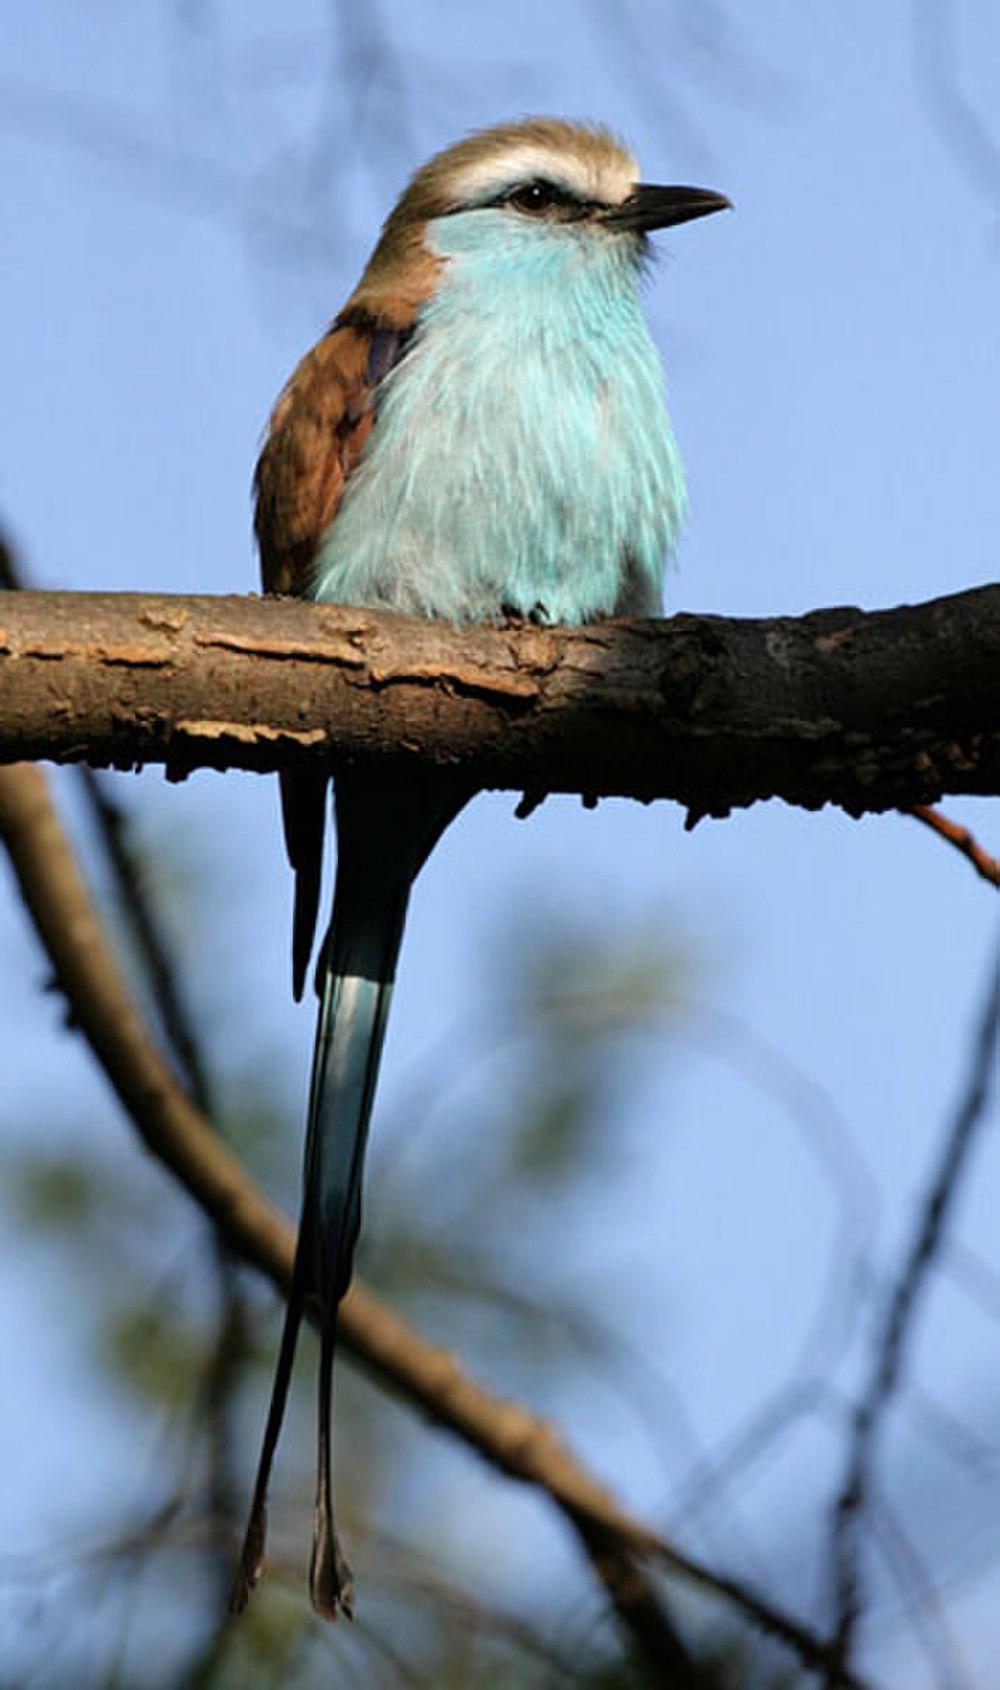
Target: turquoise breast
522,456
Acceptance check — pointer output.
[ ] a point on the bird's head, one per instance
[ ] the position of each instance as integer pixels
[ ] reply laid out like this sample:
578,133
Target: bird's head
517,190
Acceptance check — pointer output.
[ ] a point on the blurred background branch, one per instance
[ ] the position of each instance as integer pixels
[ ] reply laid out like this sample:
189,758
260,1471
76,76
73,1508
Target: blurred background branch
151,945
890,1348
176,1133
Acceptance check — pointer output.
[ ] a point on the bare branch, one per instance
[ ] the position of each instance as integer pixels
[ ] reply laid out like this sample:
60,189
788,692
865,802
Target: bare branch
867,710
962,839
887,1365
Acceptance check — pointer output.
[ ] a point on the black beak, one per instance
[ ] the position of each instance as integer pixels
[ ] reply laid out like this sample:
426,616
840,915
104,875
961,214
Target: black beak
648,207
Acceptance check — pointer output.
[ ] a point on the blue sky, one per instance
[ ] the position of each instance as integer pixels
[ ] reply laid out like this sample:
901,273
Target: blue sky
833,358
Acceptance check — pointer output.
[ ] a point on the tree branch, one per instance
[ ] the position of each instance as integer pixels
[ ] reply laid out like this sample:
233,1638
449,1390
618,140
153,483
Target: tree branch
896,1325
987,867
179,1136
868,710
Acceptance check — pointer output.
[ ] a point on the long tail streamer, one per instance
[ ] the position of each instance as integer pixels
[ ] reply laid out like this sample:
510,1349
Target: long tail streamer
385,832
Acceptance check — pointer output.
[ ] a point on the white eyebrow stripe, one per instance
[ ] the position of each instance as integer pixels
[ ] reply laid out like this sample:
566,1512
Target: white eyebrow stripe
598,181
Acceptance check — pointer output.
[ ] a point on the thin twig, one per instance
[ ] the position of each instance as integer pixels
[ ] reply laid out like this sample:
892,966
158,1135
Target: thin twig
222,1372
149,938
962,839
887,1365
921,1602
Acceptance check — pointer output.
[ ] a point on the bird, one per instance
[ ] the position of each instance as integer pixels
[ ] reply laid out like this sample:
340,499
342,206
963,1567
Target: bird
480,436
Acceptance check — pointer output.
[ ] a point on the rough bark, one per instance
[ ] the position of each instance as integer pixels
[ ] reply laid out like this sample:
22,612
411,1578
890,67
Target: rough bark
868,710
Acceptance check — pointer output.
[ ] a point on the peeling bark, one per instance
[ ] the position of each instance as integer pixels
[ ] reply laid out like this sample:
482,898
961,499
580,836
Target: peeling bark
868,710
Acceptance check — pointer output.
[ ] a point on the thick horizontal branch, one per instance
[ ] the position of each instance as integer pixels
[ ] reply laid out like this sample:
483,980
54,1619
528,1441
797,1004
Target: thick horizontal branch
869,710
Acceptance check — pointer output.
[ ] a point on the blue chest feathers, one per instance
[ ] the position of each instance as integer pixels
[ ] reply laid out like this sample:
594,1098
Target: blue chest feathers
521,455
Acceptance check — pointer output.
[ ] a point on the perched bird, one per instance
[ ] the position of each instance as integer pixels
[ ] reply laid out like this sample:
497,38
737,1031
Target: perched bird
481,434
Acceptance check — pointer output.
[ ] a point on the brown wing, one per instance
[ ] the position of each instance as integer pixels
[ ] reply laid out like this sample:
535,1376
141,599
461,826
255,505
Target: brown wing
317,431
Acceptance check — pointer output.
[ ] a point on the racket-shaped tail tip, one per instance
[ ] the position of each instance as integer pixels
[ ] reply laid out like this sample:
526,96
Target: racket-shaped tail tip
251,1561
331,1585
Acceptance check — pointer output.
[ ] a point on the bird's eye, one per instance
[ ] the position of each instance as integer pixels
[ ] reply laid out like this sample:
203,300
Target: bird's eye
536,197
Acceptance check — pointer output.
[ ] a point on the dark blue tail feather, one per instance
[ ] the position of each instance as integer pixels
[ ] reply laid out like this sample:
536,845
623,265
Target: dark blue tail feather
385,831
